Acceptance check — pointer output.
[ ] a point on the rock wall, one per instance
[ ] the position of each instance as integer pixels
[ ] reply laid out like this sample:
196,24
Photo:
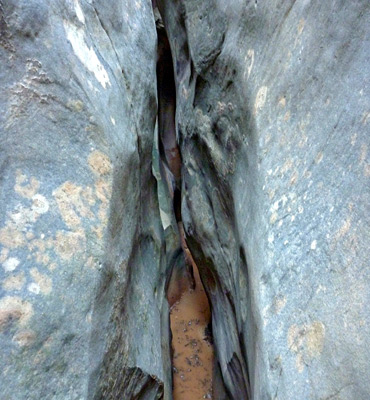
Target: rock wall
272,113
272,120
80,234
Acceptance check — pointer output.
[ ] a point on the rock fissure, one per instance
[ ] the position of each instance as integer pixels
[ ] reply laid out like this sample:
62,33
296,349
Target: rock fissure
218,274
255,184
191,336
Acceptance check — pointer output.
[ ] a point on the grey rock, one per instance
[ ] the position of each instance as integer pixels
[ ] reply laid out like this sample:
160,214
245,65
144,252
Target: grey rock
273,122
273,113
80,233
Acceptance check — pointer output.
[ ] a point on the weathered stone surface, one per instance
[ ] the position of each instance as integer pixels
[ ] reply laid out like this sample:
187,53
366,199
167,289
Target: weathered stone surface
80,234
273,114
273,121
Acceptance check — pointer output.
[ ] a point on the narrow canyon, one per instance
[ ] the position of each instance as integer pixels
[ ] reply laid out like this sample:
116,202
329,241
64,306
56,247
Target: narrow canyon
184,199
190,316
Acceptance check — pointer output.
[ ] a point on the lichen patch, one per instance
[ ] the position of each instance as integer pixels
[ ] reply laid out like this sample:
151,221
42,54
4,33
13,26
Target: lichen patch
11,237
315,339
43,281
74,203
75,105
14,282
344,229
68,244
14,311
4,254
24,338
301,25
307,342
26,187
279,303
99,163
282,102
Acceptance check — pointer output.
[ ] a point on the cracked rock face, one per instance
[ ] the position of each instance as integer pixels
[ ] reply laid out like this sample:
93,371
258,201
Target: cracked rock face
272,121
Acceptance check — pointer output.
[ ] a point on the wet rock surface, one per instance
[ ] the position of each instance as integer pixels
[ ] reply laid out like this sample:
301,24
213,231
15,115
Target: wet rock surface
272,121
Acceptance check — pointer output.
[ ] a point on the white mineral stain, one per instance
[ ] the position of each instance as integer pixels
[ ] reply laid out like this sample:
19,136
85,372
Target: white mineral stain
33,288
11,264
271,238
363,153
319,157
165,218
40,204
87,55
294,178
79,12
366,117
249,61
260,99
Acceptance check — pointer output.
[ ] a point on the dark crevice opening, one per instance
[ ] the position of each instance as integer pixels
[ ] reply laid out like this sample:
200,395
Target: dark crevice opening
183,285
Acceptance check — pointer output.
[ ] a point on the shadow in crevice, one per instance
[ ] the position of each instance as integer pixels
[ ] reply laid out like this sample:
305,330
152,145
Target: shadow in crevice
191,344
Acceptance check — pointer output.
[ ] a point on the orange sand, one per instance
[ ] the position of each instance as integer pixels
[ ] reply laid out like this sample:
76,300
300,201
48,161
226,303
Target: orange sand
192,352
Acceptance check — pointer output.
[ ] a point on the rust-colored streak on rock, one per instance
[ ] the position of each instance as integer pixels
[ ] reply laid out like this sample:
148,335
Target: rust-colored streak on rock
191,344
